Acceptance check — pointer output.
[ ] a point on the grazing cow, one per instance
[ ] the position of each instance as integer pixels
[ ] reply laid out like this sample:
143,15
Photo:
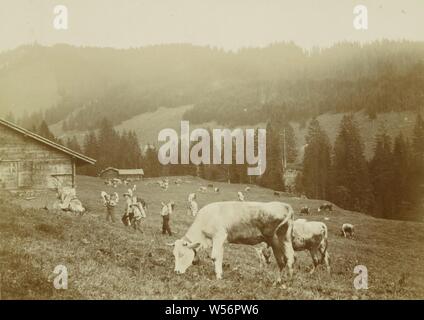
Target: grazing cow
191,197
202,189
305,210
247,189
312,236
348,230
325,207
240,196
307,235
238,222
216,190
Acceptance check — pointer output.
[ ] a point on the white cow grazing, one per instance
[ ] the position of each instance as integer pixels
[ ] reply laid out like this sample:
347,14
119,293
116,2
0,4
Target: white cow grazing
312,236
191,197
348,230
216,190
240,196
238,222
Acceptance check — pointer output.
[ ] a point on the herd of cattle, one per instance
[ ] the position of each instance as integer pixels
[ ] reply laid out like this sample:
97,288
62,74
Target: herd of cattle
270,227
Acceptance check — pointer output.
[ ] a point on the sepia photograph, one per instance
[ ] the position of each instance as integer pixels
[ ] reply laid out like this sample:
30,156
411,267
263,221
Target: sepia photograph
211,150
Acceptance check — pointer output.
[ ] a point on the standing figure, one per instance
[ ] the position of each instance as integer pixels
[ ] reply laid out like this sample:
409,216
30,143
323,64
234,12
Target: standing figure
110,202
190,206
134,211
166,211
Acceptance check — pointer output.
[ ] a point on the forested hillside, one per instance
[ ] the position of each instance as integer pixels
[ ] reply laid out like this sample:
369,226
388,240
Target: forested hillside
234,88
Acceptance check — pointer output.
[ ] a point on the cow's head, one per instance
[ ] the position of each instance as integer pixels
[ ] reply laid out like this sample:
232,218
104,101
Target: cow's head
185,255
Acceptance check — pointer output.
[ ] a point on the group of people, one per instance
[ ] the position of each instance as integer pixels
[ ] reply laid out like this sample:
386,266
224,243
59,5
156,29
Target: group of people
135,210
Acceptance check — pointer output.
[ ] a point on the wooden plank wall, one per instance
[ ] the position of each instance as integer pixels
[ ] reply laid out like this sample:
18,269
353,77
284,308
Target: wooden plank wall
29,164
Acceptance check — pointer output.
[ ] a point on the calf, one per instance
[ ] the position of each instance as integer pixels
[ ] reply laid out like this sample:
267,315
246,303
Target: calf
348,230
240,196
311,236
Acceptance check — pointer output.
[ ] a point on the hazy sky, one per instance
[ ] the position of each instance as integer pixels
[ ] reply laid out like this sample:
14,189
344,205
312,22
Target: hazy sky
230,24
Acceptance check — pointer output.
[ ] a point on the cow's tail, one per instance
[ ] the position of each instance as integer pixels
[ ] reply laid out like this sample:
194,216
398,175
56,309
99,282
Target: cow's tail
287,220
324,243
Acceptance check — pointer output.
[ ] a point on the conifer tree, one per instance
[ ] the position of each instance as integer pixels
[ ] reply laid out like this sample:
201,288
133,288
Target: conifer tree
316,163
352,186
382,176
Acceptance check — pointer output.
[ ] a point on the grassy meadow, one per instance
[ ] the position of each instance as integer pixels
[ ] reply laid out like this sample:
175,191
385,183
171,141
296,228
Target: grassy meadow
109,261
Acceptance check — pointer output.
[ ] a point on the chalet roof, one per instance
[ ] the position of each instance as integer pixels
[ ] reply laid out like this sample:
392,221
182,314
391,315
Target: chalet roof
48,142
125,171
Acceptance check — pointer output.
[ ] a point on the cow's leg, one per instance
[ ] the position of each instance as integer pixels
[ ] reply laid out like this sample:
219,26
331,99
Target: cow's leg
217,254
284,235
315,260
277,249
261,257
289,256
325,256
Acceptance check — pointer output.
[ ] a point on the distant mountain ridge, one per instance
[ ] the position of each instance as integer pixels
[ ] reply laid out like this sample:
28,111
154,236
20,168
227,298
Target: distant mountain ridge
84,84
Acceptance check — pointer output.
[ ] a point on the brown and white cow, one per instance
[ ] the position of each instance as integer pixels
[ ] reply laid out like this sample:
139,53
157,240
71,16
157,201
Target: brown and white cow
242,223
307,235
312,236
